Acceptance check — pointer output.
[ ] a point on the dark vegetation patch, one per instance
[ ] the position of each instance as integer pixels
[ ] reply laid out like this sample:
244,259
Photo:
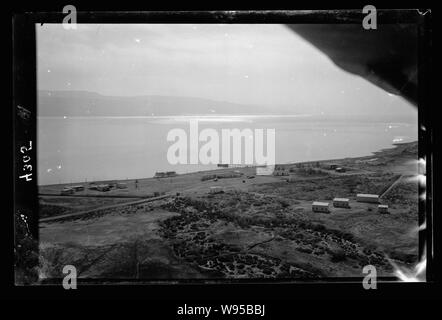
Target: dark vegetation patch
193,243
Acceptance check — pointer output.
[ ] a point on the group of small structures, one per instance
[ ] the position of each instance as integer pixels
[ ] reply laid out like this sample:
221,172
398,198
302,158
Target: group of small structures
167,174
98,187
318,206
223,175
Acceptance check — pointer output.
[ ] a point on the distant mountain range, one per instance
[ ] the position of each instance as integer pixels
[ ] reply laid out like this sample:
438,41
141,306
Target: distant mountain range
84,103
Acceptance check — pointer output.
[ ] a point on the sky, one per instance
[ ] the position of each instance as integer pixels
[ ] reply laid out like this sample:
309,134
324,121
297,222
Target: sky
267,65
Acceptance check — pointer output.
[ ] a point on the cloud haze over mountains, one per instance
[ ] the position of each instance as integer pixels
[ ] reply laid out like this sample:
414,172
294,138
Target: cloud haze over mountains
182,69
83,103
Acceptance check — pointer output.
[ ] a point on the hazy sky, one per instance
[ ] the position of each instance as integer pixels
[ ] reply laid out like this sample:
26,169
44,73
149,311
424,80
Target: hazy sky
252,64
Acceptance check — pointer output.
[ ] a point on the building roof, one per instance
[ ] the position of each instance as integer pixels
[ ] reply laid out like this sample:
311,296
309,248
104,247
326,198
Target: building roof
367,195
317,203
383,206
341,199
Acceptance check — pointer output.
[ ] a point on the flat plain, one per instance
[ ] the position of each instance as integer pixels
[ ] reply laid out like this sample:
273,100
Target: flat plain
255,227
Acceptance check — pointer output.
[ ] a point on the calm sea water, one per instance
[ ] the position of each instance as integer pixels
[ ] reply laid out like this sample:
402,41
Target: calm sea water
106,148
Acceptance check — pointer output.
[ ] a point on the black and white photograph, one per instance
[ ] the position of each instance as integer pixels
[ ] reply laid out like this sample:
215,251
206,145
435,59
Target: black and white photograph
225,153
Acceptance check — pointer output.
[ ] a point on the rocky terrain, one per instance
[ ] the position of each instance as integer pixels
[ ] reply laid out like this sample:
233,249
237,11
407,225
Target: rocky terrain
260,228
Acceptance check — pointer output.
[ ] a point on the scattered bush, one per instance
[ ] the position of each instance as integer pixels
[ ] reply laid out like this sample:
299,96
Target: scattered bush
338,255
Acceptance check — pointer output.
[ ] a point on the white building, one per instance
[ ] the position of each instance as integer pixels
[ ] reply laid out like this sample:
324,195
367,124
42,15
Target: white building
320,206
103,187
341,203
67,190
216,189
280,173
363,197
383,208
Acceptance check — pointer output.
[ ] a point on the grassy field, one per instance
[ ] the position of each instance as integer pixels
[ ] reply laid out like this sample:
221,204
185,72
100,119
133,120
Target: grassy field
258,227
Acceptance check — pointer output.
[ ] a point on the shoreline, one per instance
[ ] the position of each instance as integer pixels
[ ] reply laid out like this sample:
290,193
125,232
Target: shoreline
357,158
264,224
